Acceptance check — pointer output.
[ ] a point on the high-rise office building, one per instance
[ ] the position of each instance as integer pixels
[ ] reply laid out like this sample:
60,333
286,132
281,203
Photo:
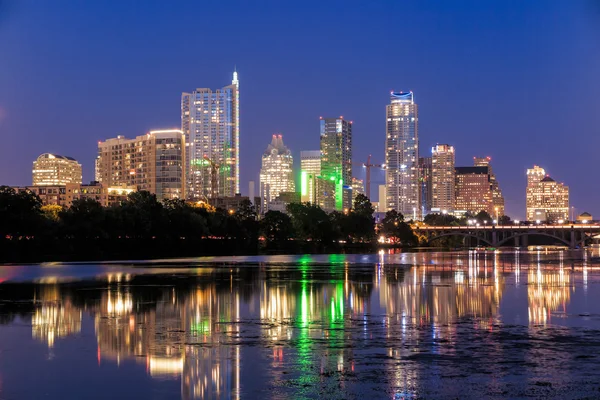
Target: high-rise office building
52,169
310,170
474,190
535,175
154,162
547,200
336,163
402,153
382,198
310,161
442,178
210,121
276,174
497,198
358,187
424,185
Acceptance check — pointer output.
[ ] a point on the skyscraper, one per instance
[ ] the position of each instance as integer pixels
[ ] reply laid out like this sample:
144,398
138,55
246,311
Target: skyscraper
497,198
424,185
547,200
310,170
154,162
442,177
358,187
52,169
382,198
535,175
402,153
474,190
276,174
210,121
336,163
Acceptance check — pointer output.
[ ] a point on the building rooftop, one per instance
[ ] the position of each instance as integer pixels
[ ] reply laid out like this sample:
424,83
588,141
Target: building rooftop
277,144
547,179
402,97
49,155
471,170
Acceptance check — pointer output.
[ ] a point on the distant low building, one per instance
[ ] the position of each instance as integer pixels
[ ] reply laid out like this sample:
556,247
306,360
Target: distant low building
281,202
231,204
585,217
64,195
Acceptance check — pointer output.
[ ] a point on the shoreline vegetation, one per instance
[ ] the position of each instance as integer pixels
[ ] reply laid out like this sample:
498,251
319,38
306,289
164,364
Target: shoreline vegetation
143,228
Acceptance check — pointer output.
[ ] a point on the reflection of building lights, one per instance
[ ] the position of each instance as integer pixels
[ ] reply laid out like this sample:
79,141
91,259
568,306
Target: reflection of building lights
165,366
546,292
119,305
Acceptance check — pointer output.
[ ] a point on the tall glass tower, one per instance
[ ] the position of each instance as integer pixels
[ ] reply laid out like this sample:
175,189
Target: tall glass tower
210,121
402,154
336,162
276,174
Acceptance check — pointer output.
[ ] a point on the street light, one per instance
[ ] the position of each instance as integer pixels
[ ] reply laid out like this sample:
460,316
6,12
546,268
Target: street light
537,221
495,221
517,222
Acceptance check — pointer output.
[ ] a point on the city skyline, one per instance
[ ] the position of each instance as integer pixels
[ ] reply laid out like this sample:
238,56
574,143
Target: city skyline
479,78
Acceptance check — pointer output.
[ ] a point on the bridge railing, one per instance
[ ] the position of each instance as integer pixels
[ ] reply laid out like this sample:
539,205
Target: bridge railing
511,227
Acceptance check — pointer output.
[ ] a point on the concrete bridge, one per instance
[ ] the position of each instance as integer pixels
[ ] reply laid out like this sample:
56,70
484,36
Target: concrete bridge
573,236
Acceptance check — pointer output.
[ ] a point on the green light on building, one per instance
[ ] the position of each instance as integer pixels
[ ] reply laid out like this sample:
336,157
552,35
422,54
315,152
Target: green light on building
303,183
339,195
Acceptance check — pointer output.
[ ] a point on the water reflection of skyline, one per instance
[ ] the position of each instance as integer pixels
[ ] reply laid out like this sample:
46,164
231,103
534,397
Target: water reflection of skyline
312,320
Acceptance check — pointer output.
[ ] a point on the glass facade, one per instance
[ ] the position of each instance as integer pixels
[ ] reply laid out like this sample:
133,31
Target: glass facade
276,174
442,177
402,153
336,163
211,125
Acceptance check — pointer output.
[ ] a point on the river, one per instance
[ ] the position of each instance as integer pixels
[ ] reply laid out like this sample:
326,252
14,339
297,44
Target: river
482,324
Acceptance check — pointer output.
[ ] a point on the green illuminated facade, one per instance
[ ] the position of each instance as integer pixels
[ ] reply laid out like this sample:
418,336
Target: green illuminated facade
336,164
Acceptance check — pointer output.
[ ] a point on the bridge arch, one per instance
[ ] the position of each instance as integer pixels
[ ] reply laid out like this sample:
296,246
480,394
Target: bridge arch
503,241
482,239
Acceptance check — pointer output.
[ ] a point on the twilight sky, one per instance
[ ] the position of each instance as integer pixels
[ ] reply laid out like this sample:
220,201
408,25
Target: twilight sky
518,82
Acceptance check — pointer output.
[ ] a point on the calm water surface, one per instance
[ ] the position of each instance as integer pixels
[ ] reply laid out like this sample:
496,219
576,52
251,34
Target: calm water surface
395,326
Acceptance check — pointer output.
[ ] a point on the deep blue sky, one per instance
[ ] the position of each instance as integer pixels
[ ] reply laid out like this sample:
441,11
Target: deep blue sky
518,82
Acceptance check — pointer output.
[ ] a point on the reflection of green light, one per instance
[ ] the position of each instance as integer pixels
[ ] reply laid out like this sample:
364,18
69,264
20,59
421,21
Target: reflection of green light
200,327
336,258
304,260
303,183
340,296
332,310
304,307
